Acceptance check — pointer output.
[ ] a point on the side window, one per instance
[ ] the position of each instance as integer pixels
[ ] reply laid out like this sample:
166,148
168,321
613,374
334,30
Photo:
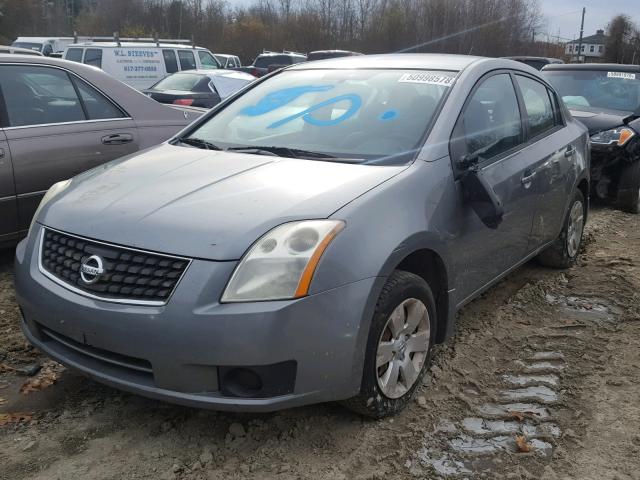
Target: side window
187,60
93,57
207,60
74,55
537,104
39,95
490,122
98,107
170,61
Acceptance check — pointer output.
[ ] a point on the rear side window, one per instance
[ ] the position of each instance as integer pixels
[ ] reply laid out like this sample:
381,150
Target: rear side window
39,95
170,61
187,60
539,109
207,60
98,107
179,81
93,57
268,60
490,124
74,55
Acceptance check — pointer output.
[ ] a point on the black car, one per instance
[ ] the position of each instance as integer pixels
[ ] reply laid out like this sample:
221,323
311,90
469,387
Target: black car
199,88
326,54
537,62
606,98
267,62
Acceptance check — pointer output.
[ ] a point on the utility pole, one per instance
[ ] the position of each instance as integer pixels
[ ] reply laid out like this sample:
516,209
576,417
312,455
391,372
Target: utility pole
584,11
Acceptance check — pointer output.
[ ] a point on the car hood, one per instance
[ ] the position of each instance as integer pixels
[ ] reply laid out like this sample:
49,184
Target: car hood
203,204
600,120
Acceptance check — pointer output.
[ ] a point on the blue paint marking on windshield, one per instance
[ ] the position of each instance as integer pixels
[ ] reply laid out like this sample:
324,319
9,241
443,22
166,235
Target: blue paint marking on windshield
279,98
356,103
388,115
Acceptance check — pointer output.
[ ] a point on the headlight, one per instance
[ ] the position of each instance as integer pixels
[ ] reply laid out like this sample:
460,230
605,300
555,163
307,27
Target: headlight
618,136
55,189
281,264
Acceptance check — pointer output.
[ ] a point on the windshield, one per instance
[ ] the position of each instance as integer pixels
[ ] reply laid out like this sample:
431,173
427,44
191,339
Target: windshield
179,81
31,46
347,114
597,89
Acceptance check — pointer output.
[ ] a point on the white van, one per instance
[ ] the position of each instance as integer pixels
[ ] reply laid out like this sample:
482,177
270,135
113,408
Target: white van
138,64
45,45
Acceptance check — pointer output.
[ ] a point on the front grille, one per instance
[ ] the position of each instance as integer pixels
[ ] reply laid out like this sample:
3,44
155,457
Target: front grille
130,276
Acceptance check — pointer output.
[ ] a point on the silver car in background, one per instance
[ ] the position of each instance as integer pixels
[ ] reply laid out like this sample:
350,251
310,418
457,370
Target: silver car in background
60,118
310,239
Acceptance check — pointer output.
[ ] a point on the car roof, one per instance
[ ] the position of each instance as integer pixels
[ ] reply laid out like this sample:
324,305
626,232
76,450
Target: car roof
287,54
19,51
135,44
219,72
525,57
409,61
600,67
225,55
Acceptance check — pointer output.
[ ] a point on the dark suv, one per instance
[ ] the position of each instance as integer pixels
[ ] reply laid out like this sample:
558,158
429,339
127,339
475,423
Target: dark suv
606,98
267,62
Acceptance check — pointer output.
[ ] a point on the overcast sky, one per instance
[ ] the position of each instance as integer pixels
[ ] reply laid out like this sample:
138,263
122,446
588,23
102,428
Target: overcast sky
565,15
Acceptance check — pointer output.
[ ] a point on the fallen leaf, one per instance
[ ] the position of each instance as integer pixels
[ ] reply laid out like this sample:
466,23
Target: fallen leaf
522,444
47,376
7,418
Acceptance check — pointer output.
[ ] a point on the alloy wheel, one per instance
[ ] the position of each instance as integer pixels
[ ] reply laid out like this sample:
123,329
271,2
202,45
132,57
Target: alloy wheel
575,230
403,348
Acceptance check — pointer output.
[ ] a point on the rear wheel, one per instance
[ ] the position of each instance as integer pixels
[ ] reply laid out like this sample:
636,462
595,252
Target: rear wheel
563,253
399,346
629,188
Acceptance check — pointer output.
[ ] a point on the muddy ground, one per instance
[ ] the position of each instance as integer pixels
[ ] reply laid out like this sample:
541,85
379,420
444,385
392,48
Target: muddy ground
546,361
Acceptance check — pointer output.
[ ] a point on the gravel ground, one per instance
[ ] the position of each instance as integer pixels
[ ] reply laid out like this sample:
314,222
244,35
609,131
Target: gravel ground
542,380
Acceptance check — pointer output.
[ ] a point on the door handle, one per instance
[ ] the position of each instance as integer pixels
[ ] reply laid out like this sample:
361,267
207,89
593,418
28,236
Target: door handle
117,139
528,178
569,151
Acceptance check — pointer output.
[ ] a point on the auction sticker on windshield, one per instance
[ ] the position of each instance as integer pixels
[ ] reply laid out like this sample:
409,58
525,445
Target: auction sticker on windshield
623,75
428,78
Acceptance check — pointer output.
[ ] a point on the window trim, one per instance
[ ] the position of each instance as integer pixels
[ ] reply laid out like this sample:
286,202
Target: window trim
507,153
4,125
529,140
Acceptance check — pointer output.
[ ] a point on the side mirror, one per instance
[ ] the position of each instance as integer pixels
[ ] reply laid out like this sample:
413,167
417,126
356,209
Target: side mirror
481,197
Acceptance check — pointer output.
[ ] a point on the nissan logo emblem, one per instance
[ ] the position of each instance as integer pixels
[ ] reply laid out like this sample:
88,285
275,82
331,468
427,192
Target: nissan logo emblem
91,269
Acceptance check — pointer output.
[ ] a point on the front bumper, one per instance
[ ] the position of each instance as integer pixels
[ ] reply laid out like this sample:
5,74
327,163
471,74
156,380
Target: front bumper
305,351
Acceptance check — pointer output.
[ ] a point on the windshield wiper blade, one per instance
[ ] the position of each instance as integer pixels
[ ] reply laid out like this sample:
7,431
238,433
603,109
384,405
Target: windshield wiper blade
199,143
282,151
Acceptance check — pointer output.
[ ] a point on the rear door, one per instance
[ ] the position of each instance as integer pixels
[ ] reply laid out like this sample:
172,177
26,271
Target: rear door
555,149
8,205
491,123
57,127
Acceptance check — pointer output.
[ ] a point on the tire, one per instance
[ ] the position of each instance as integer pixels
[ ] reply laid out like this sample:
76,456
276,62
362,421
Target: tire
629,188
564,252
410,299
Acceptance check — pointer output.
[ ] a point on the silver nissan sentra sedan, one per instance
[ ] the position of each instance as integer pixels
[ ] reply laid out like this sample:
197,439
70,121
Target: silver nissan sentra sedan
309,239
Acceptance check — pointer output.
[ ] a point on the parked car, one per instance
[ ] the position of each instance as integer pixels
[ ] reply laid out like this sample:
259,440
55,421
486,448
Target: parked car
606,98
199,88
537,62
311,239
141,64
326,54
268,62
228,61
44,45
60,118
18,51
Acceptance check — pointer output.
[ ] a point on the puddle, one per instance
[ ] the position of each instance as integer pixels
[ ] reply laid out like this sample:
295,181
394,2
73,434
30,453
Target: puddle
526,380
547,356
594,308
538,393
541,366
442,464
498,410
481,426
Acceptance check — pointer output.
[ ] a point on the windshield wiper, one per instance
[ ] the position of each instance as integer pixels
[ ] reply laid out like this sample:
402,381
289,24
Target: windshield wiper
198,143
282,152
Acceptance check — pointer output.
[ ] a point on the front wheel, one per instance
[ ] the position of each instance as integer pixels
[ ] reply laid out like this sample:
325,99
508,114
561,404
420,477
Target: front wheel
563,253
398,348
629,188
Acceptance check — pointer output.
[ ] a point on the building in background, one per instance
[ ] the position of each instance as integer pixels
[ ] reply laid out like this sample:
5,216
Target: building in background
592,50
